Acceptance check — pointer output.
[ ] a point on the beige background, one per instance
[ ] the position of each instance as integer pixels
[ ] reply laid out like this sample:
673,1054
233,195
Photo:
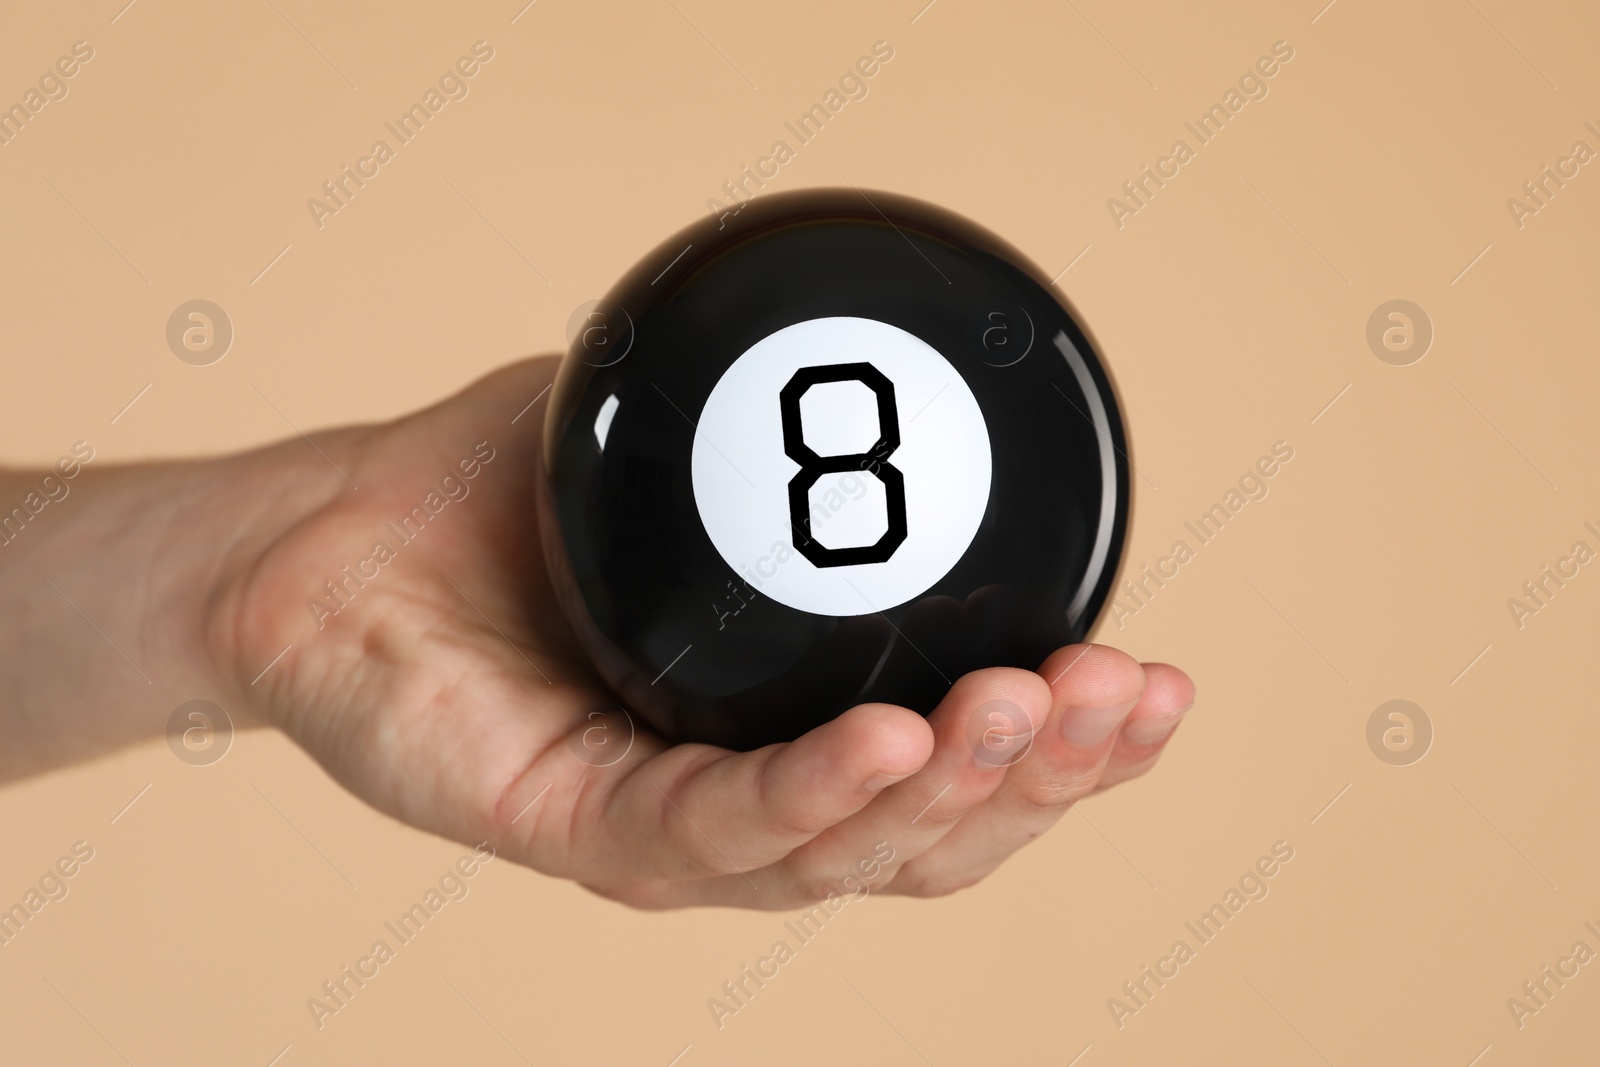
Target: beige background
1232,309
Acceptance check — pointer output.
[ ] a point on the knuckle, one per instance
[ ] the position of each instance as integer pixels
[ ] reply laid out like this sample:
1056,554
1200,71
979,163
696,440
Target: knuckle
797,819
701,857
793,813
1054,794
812,889
697,856
934,819
1106,673
693,853
943,810
1107,658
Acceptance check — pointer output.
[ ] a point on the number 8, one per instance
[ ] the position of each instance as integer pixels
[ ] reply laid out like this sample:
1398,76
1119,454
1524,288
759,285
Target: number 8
813,466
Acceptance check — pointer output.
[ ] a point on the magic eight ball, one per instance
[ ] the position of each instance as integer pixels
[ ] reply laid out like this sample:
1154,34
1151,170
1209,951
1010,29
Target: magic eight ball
833,448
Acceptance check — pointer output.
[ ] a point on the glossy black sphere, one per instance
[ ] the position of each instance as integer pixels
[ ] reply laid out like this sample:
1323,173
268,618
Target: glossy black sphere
875,327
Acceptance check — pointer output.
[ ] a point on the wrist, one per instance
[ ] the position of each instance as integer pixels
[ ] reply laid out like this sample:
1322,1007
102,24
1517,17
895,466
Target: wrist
218,521
115,587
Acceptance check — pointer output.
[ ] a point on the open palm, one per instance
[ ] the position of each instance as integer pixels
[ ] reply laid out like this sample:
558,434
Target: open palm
430,670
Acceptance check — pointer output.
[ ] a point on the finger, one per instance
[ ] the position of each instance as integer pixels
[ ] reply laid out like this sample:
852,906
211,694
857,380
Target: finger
913,815
696,812
1168,695
510,396
1094,688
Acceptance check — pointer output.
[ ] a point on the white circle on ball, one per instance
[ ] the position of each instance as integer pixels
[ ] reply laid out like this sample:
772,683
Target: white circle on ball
741,471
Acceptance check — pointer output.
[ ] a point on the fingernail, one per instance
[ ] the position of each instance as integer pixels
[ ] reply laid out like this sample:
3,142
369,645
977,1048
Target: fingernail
879,782
1149,731
1090,726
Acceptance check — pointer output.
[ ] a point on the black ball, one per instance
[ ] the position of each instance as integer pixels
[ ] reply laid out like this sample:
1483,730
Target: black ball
838,447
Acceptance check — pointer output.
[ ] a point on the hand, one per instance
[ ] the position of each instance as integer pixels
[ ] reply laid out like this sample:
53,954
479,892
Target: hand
442,686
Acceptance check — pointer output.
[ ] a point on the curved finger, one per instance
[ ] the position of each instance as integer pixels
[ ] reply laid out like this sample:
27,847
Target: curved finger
1093,689
697,812
1168,695
913,815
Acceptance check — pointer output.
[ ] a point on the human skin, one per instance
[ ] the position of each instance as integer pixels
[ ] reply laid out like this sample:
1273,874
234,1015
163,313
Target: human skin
448,691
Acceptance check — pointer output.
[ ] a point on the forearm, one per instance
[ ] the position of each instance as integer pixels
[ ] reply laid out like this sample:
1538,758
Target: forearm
106,578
